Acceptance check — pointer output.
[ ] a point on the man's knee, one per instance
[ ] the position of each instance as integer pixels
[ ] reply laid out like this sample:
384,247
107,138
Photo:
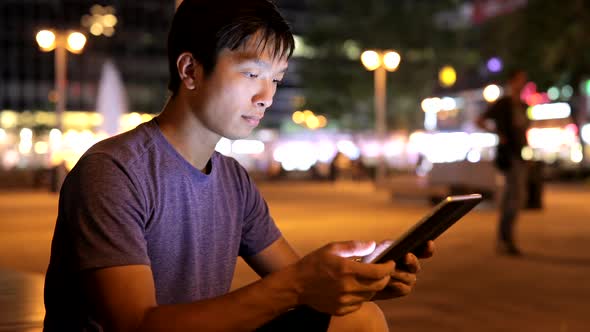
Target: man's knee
369,318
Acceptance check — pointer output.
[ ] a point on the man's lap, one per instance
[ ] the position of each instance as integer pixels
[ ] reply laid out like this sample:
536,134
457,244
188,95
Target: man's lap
299,319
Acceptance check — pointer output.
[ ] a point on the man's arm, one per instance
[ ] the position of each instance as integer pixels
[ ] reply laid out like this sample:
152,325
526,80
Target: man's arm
124,298
481,122
490,113
275,257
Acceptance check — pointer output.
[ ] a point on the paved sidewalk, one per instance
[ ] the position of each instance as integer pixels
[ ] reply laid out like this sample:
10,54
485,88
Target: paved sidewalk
21,301
465,287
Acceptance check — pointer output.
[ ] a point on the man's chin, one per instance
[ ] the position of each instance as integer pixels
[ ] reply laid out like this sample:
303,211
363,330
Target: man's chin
236,136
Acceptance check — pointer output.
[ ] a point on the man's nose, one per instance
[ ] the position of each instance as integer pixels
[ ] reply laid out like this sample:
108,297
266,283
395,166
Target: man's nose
263,98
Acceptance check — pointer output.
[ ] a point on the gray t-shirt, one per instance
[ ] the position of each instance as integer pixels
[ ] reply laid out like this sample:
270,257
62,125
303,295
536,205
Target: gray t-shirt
133,199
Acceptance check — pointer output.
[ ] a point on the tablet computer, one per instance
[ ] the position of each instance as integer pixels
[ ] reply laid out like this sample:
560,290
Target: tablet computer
440,218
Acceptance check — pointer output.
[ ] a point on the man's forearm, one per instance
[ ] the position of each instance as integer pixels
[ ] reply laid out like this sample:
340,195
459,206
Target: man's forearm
244,309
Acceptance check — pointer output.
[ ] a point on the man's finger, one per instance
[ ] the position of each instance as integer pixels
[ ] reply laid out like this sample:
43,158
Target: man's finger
370,271
352,248
426,250
411,263
371,285
403,277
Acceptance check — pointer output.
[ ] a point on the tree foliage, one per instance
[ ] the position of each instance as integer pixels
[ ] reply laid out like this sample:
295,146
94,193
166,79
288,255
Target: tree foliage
550,39
340,86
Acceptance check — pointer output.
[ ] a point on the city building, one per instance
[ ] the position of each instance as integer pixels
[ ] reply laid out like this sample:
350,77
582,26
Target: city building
135,43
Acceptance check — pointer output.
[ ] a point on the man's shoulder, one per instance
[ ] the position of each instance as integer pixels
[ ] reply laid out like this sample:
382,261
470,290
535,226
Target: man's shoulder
228,168
504,101
227,161
498,107
125,147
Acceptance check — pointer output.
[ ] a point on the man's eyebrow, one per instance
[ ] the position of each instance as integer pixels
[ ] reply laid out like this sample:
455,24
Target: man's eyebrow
255,60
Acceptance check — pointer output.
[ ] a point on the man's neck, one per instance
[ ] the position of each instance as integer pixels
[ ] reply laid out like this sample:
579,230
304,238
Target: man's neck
186,134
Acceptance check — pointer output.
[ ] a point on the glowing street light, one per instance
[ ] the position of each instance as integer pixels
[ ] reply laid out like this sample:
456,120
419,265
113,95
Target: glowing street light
46,40
391,60
60,42
76,42
380,62
447,76
491,93
371,60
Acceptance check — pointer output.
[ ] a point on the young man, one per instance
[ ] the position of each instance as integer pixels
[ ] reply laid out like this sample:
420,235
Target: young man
151,222
508,115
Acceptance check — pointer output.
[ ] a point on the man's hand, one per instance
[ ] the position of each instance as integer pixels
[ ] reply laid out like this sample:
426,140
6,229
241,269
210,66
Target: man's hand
329,281
403,279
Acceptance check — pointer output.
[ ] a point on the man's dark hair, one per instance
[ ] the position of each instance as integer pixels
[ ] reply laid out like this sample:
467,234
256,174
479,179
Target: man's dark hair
206,27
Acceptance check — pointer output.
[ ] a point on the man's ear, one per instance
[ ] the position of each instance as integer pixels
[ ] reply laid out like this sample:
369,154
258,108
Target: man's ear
189,70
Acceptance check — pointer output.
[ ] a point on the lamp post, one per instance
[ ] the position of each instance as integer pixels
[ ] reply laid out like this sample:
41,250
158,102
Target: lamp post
60,42
380,62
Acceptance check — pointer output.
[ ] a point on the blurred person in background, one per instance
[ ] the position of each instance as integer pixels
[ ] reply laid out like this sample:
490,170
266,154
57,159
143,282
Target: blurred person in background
151,222
510,122
339,164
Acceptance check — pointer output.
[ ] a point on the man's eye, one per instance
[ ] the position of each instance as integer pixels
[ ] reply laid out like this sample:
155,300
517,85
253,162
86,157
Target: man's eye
251,75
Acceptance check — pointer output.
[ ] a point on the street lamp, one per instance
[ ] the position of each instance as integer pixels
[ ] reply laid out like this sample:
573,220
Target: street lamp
380,62
447,76
60,42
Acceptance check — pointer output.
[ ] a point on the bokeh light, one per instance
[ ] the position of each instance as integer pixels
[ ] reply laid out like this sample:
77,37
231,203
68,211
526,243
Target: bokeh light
298,117
494,65
447,76
370,60
46,40
567,92
431,104
76,42
553,93
491,93
391,60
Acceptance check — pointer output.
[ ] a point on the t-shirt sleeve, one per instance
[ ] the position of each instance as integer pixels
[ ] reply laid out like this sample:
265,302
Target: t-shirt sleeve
259,229
104,213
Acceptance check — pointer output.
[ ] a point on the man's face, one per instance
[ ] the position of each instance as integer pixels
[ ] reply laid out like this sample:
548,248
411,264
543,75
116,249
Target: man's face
241,87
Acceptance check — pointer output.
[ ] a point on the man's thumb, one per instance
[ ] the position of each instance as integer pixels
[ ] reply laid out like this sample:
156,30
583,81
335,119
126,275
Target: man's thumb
353,248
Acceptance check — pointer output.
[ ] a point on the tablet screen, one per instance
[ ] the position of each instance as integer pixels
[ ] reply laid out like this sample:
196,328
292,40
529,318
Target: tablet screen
440,218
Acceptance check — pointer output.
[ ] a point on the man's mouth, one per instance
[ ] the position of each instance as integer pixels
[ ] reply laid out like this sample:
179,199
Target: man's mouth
252,120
